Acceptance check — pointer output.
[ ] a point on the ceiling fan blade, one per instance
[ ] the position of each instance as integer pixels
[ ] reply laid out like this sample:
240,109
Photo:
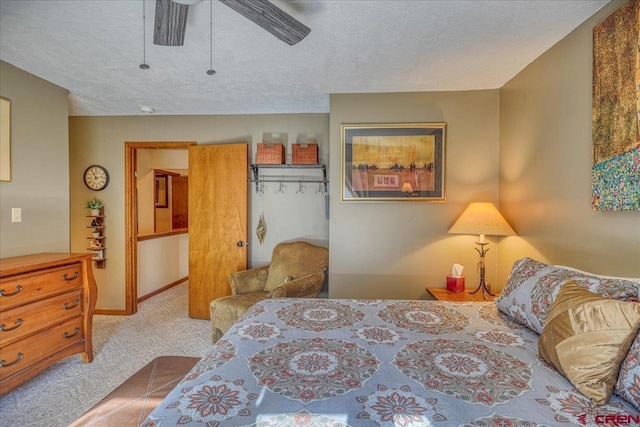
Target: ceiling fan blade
170,23
271,18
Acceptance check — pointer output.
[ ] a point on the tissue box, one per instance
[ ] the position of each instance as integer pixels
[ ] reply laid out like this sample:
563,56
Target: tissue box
455,284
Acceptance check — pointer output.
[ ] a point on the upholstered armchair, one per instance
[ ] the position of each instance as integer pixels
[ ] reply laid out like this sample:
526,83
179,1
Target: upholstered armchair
297,270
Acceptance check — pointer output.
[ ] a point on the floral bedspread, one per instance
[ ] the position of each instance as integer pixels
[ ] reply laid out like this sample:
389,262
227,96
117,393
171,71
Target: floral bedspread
317,362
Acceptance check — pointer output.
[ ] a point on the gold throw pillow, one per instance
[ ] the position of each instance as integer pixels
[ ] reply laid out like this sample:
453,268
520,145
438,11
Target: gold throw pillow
586,337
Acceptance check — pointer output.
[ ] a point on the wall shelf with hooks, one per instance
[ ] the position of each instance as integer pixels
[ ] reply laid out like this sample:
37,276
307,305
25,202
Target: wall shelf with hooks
257,178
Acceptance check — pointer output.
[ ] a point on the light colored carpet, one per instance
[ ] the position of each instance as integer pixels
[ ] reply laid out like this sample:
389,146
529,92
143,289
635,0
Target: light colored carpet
122,345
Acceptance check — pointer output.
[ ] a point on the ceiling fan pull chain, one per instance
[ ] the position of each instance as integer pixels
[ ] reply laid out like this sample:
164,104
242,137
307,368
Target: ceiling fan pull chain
144,65
211,71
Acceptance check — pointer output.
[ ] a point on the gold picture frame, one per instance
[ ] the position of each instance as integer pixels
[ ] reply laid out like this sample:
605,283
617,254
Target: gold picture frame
393,162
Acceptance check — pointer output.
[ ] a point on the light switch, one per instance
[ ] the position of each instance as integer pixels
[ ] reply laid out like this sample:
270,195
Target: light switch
16,214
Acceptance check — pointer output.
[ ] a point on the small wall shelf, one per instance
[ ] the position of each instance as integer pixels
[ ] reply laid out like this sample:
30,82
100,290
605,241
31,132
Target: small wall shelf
97,241
255,169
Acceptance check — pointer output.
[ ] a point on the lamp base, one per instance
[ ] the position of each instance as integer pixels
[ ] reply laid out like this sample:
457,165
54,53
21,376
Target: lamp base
484,288
483,284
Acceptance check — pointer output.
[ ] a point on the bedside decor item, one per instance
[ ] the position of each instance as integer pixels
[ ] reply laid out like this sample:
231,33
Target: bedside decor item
484,219
96,177
455,282
380,162
5,139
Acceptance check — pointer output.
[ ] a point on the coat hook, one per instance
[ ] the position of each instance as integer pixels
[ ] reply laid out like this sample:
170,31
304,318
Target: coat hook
262,188
301,188
320,190
282,187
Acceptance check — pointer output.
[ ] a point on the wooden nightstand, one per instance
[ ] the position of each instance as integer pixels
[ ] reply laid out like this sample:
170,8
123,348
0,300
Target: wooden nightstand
442,294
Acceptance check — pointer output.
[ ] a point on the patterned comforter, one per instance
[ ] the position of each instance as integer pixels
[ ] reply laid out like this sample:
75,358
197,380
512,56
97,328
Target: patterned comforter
316,362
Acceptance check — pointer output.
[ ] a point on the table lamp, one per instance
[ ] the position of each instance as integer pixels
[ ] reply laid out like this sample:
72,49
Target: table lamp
482,218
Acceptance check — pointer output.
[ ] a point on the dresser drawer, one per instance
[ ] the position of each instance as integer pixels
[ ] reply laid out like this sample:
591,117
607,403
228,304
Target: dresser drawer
21,354
21,321
25,288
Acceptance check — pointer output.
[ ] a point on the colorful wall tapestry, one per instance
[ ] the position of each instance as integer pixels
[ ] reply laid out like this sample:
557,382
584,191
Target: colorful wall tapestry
616,110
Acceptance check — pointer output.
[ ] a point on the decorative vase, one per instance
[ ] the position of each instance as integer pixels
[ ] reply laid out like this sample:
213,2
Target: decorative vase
95,212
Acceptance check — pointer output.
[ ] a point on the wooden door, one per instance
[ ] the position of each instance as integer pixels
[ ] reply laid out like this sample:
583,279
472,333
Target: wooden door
179,201
217,221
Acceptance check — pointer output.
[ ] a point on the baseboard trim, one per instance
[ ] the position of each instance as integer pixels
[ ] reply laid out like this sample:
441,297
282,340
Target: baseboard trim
110,312
162,289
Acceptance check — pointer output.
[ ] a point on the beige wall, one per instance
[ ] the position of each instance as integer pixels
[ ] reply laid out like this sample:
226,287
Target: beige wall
145,186
545,166
101,140
39,166
161,262
395,250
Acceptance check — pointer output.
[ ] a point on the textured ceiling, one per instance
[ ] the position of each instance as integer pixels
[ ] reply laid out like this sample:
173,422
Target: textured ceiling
93,48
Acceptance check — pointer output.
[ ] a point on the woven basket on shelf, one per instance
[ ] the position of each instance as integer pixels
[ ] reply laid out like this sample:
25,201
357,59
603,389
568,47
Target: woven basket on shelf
270,154
304,154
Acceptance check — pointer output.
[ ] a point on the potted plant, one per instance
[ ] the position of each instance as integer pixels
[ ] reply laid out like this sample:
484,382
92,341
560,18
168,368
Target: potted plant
95,205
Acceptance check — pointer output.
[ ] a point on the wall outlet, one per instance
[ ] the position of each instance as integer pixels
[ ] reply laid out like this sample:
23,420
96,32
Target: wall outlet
16,214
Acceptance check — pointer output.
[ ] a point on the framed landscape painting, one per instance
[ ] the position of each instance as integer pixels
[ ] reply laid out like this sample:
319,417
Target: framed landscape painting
393,162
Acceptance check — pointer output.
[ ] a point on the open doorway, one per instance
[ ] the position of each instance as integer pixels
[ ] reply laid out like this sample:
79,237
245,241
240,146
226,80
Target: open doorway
132,207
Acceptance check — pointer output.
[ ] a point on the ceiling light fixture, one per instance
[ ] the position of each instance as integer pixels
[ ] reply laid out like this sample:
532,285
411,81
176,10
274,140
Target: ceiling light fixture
210,71
147,110
144,65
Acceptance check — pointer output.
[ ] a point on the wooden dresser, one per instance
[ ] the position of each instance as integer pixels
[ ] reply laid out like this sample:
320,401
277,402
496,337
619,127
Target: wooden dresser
46,309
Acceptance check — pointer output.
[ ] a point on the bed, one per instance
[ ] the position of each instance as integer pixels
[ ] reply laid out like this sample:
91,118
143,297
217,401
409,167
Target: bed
317,362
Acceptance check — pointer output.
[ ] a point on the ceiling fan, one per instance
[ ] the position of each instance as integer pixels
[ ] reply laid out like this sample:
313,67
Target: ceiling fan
171,20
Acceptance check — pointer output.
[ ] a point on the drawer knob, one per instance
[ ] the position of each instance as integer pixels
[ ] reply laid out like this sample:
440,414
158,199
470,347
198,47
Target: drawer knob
68,279
4,364
75,332
4,328
69,307
4,294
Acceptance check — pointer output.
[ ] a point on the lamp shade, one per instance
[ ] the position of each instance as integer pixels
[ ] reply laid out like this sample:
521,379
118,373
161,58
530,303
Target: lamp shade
482,218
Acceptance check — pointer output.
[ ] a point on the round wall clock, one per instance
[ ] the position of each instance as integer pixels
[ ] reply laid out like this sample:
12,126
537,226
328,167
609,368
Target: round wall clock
96,178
